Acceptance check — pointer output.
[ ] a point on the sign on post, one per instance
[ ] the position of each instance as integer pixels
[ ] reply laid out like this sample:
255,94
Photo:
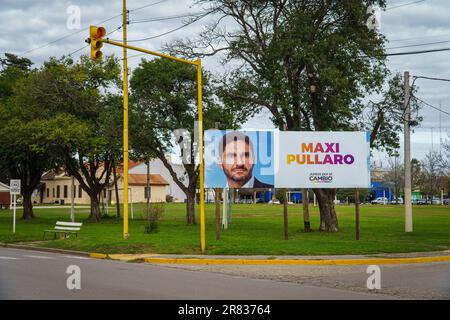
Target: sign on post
14,189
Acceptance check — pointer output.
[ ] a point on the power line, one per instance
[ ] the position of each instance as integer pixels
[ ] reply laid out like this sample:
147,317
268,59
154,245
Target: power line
83,30
166,18
147,5
431,106
173,30
66,36
408,53
405,5
431,78
418,45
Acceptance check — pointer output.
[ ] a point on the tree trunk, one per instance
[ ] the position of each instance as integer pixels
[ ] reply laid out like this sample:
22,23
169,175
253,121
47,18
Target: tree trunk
190,207
27,206
328,218
95,208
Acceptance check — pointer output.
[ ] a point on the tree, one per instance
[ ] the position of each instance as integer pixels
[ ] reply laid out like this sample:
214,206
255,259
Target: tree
395,175
23,154
433,175
163,99
308,63
76,91
111,120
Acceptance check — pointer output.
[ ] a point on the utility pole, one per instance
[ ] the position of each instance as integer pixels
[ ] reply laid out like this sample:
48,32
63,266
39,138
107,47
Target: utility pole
440,129
407,156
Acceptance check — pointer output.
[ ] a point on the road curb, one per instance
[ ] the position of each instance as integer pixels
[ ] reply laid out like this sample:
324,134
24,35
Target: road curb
225,261
291,262
43,249
99,255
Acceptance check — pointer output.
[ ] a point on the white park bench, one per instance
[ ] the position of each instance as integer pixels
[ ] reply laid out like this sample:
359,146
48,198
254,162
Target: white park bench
65,228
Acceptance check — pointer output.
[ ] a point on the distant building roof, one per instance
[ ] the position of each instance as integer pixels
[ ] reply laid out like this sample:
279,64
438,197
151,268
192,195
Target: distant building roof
141,180
131,164
4,187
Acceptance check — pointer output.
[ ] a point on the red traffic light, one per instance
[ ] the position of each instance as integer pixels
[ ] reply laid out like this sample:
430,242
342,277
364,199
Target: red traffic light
101,32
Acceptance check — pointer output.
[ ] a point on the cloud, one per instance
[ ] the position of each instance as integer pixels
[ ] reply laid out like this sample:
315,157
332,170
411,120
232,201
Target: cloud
29,24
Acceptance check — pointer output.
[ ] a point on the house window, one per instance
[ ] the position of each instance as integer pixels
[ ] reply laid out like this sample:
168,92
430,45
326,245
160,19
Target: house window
80,191
48,192
53,192
74,191
58,191
65,191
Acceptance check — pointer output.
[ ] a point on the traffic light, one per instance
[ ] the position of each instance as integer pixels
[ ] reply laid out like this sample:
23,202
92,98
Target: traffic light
96,35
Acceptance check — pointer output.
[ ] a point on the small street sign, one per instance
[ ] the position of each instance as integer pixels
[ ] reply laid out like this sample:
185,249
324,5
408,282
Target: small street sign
14,186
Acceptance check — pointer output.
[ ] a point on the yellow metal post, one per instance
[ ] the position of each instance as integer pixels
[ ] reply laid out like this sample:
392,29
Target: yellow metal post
200,137
125,124
153,53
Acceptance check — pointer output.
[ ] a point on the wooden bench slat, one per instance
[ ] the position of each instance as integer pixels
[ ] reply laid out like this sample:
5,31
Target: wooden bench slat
69,224
67,228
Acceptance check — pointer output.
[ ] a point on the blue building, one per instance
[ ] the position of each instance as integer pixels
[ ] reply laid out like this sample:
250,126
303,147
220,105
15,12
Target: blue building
381,189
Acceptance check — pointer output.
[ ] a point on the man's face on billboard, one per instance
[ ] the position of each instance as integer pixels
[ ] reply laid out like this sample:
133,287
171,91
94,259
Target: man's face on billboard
238,161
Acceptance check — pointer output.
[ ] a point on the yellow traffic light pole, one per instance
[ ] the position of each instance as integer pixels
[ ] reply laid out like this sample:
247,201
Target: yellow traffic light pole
198,64
125,124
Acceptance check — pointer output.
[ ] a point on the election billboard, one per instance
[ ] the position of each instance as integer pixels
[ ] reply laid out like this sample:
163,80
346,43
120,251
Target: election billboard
261,159
323,160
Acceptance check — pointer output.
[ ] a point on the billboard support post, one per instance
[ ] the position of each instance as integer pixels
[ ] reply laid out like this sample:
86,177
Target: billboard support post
357,213
305,203
224,211
285,214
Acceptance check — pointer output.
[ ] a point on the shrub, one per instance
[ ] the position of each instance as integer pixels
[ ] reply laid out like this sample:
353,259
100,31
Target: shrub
152,214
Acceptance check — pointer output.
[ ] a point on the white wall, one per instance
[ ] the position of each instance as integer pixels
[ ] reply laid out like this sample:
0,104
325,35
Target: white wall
157,167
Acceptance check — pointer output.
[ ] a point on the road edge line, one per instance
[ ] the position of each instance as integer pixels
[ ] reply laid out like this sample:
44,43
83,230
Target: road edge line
370,261
43,249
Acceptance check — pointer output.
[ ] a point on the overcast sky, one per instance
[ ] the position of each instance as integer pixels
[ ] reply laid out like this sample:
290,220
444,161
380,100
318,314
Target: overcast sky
27,27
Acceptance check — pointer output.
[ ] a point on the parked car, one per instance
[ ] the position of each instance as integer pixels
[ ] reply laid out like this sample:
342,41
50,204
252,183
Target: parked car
396,201
274,202
380,200
420,202
436,201
447,201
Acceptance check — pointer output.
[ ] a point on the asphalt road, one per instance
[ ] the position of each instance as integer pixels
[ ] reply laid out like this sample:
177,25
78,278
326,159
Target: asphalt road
36,275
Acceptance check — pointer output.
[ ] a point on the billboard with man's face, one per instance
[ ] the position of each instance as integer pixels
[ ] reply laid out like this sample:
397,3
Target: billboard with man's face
268,159
239,159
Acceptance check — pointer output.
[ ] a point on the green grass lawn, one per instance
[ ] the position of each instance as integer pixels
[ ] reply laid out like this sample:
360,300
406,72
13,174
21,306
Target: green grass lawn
256,229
